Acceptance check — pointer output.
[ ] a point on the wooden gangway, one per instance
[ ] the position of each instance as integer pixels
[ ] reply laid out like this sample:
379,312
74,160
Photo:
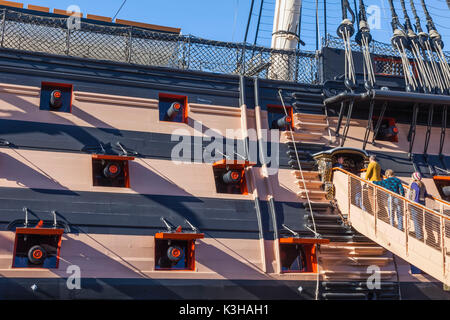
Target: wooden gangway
415,233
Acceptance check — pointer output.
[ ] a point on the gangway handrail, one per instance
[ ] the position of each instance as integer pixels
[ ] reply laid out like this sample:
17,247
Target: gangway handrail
445,203
415,233
397,195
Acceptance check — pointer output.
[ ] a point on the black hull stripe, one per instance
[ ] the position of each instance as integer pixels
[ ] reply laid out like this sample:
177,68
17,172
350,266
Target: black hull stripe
110,213
153,145
187,289
67,138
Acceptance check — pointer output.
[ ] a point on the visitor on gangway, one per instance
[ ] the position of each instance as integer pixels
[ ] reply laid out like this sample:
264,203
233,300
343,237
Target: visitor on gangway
393,184
373,173
417,193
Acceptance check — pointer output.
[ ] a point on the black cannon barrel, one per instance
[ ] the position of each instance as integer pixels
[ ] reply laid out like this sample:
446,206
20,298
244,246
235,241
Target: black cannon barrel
56,99
231,177
174,109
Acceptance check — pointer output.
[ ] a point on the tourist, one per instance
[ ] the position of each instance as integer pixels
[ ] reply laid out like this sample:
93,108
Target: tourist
394,185
373,172
417,193
340,163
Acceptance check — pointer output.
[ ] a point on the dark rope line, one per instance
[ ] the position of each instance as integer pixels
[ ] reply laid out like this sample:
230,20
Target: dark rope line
395,23
408,24
362,11
123,3
430,23
347,8
418,25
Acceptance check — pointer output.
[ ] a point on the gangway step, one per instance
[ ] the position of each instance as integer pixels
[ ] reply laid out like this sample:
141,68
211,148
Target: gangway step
326,217
384,285
309,105
344,296
360,275
312,194
306,165
306,174
305,135
302,155
336,227
311,126
307,95
352,250
310,184
357,261
314,117
310,146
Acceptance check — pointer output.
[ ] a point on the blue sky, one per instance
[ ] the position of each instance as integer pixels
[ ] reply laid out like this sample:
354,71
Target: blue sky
226,20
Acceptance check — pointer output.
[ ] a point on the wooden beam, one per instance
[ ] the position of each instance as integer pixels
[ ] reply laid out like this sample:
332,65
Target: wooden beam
65,13
148,26
99,18
11,4
38,8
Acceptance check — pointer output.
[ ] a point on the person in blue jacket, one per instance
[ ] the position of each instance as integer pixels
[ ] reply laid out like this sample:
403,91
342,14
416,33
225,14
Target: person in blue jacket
393,184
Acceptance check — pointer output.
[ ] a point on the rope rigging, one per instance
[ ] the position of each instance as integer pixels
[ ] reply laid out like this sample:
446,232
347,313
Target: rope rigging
435,45
345,31
400,42
364,38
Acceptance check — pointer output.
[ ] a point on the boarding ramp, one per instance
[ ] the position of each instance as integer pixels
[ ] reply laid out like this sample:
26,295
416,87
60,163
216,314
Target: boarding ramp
415,233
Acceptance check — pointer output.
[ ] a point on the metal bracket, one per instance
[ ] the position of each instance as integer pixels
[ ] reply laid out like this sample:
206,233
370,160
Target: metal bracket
168,226
443,129
347,123
54,219
191,225
291,231
412,130
96,148
25,209
125,152
369,125
341,115
429,127
380,119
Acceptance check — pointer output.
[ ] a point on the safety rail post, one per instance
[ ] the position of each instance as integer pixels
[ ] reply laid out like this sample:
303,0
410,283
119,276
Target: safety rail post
243,60
406,225
442,230
67,51
424,227
129,48
349,181
3,27
375,210
189,52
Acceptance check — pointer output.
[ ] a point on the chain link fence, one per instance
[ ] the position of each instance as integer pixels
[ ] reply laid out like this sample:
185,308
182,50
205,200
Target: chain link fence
42,33
387,60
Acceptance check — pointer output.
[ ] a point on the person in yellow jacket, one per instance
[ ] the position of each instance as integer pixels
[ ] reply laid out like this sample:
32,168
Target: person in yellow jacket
373,172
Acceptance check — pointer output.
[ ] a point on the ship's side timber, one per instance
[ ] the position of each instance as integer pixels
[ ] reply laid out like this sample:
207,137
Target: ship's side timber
47,167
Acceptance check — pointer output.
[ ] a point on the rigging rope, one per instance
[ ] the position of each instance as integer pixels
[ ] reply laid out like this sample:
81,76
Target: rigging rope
363,38
400,42
436,46
306,190
345,31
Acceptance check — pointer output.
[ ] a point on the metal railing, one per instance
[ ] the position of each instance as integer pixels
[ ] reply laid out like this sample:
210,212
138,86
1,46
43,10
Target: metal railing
412,231
390,65
49,34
